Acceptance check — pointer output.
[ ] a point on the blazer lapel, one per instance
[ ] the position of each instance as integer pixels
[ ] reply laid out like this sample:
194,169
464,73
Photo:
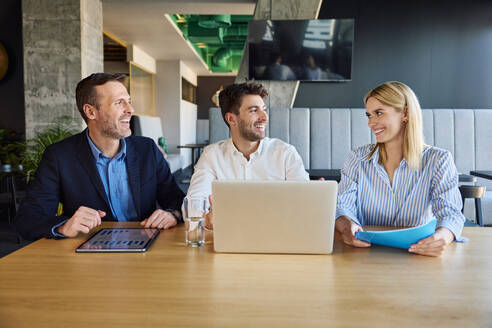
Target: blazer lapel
133,174
86,157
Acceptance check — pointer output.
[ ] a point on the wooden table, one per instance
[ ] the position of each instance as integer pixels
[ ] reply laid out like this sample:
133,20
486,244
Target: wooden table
47,284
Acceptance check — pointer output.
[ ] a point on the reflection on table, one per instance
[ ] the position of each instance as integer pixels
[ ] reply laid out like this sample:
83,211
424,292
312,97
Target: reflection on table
172,285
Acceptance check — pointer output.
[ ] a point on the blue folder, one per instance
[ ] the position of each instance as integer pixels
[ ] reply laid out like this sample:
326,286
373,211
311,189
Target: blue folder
403,238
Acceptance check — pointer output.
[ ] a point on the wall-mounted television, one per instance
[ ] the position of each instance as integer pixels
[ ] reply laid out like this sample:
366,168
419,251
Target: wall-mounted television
306,50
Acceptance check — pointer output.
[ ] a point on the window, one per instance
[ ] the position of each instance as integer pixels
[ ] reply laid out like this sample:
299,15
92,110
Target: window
142,90
188,91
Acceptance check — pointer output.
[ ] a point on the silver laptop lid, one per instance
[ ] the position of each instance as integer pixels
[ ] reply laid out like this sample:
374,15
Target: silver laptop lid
274,216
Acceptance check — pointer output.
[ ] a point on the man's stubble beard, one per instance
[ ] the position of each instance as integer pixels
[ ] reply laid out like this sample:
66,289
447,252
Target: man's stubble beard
111,130
248,134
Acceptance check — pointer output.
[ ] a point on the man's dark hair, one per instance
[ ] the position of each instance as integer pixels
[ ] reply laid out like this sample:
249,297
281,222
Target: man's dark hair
85,93
231,97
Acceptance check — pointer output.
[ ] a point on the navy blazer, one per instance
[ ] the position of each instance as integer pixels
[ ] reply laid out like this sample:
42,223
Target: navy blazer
68,174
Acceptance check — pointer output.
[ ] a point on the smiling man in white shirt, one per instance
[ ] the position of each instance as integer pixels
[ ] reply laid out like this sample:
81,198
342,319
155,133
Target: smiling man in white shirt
248,154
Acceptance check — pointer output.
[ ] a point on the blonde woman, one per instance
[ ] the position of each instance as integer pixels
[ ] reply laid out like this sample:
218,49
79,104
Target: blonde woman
399,181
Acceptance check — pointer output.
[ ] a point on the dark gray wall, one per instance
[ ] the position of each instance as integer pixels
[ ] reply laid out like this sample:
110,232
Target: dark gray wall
206,88
441,49
12,85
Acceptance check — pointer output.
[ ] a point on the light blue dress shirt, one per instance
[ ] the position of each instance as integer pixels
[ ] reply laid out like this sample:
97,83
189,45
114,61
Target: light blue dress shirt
415,197
114,176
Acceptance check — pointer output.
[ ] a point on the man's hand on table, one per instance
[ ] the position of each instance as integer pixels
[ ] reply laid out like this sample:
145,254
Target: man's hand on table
435,244
160,219
347,229
83,220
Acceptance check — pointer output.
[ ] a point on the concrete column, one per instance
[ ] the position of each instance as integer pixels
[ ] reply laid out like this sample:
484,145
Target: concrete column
282,93
62,44
91,40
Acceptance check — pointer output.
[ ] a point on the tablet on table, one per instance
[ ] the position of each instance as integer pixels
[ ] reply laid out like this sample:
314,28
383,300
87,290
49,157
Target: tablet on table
120,240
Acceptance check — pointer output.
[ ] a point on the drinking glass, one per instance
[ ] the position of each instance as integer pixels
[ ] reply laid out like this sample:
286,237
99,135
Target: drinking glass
194,212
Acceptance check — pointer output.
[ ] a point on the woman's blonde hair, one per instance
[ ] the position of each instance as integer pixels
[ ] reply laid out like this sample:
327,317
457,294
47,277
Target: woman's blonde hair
401,97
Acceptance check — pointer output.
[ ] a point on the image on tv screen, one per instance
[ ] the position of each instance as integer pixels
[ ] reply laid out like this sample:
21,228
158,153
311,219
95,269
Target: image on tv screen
306,50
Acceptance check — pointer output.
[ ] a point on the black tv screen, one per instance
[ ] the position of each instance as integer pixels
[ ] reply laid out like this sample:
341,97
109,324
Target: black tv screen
306,50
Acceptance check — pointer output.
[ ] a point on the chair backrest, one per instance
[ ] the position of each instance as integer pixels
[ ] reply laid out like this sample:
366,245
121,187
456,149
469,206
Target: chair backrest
218,130
147,126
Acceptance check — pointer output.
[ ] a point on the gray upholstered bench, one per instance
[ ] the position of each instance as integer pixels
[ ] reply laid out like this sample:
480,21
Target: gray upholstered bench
325,136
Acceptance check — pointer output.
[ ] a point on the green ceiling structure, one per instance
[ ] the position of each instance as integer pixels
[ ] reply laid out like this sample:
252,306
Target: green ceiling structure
218,39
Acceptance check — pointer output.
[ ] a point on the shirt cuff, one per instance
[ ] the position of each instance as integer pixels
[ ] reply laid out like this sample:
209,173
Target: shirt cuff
176,213
455,226
341,212
55,234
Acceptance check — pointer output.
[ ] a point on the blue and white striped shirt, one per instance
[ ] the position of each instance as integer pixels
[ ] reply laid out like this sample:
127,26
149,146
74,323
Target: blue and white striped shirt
366,195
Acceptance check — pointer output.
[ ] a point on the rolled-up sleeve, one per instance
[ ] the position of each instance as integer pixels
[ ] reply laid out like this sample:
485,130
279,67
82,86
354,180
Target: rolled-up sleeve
347,189
201,181
446,197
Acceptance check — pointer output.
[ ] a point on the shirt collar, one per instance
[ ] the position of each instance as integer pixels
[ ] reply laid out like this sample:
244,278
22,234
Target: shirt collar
233,148
98,153
375,159
257,152
260,146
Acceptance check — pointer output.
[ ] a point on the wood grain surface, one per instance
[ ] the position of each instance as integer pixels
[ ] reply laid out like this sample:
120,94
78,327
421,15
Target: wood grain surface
47,284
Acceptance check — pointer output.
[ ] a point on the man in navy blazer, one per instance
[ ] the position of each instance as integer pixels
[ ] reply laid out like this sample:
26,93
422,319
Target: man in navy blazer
102,173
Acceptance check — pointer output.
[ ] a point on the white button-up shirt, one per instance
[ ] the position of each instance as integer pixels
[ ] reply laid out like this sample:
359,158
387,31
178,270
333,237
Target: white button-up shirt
273,160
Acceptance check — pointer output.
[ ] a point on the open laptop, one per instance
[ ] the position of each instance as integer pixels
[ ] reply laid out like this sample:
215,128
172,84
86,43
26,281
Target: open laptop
274,216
